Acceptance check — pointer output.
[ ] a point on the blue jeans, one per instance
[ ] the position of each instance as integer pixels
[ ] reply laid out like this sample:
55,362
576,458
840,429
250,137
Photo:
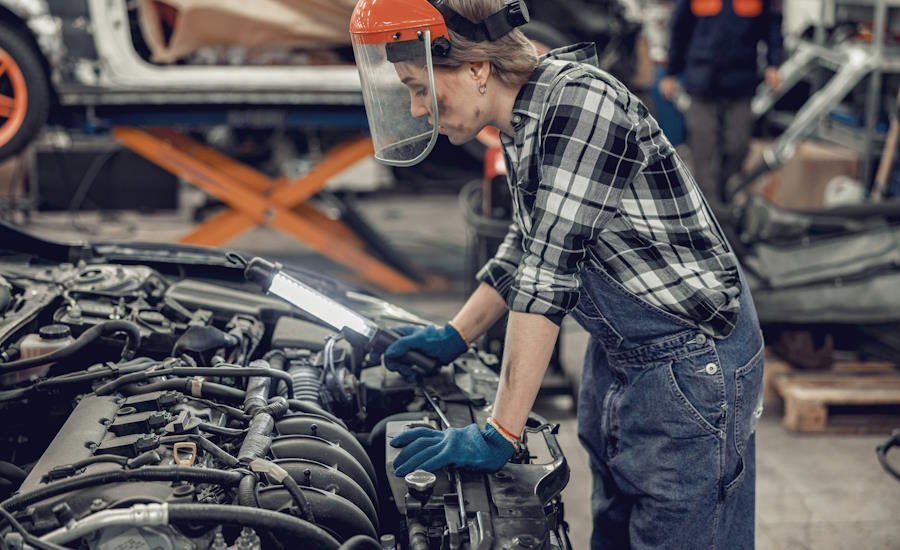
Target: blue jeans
668,417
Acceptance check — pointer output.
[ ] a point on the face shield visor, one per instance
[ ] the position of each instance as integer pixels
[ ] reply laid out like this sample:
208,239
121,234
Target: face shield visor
398,90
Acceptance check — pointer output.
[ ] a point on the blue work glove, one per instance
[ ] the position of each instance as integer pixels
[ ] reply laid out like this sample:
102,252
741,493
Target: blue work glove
467,448
443,344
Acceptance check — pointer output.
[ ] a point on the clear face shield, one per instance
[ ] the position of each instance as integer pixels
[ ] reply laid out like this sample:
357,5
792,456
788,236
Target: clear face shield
398,90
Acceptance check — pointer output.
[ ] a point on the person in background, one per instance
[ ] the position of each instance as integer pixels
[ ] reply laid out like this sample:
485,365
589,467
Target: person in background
713,47
656,17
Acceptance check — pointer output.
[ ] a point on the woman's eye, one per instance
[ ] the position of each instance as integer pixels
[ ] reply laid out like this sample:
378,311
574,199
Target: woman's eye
421,92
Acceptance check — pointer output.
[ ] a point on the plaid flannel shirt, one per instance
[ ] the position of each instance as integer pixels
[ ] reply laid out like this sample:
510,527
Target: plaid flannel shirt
593,179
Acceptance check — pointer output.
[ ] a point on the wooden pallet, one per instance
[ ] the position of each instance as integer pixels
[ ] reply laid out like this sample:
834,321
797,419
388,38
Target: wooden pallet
777,368
840,402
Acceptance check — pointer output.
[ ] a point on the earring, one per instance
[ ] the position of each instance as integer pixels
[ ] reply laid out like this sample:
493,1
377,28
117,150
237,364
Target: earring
482,89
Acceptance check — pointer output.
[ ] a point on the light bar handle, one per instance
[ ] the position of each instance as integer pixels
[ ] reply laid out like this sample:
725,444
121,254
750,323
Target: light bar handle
420,363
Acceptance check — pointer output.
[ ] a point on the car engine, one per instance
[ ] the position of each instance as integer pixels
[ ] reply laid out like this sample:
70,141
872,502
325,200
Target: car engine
152,398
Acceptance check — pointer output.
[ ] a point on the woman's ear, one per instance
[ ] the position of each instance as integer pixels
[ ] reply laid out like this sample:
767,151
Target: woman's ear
479,70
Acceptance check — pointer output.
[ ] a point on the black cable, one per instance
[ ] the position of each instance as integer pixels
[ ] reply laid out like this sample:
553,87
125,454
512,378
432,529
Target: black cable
78,377
87,337
233,412
247,491
304,533
29,538
221,430
187,387
238,372
146,473
359,542
296,493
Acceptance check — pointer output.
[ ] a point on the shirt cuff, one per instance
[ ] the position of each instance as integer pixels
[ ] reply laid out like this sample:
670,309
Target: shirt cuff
499,275
552,305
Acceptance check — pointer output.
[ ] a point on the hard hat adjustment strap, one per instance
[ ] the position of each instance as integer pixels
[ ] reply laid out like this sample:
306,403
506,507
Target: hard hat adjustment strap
514,14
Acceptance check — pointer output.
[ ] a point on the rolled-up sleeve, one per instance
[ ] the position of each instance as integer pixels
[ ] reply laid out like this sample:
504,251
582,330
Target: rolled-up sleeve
500,271
589,154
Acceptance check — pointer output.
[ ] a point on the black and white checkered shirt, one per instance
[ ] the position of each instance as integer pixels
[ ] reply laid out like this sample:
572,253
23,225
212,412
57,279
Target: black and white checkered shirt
593,179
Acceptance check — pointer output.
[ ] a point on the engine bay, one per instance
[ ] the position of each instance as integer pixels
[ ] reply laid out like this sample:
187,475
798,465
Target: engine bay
153,398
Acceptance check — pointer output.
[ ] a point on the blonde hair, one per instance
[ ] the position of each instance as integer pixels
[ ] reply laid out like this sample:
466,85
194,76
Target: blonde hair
513,57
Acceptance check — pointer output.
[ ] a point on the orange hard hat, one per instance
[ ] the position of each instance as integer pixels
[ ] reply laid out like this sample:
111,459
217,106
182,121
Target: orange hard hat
386,21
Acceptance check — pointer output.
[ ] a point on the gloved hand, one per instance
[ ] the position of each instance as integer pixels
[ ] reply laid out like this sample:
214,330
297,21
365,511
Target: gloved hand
443,344
468,448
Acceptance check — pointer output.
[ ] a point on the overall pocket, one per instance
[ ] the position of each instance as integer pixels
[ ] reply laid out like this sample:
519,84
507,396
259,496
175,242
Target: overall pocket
698,385
748,385
748,399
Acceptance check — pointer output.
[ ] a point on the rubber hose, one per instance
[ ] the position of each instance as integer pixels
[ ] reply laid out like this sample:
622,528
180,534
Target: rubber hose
240,372
312,408
360,541
258,439
257,394
187,386
277,407
307,383
221,430
302,532
12,472
276,360
299,498
135,365
87,337
247,492
146,473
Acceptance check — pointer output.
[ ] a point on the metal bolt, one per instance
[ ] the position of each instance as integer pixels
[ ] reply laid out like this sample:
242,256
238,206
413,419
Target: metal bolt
97,504
388,542
218,542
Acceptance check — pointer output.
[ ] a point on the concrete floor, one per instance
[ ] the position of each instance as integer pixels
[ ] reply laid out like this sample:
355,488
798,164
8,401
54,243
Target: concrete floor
814,492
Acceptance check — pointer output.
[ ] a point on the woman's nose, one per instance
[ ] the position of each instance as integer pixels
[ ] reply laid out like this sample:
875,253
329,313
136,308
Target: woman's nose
417,108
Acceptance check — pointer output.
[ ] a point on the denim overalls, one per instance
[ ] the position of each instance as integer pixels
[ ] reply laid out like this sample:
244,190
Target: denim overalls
667,415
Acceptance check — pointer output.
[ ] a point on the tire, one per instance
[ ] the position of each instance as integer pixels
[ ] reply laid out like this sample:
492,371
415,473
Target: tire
24,91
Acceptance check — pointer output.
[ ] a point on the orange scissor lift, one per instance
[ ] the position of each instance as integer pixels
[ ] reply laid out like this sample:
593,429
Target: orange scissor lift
254,199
